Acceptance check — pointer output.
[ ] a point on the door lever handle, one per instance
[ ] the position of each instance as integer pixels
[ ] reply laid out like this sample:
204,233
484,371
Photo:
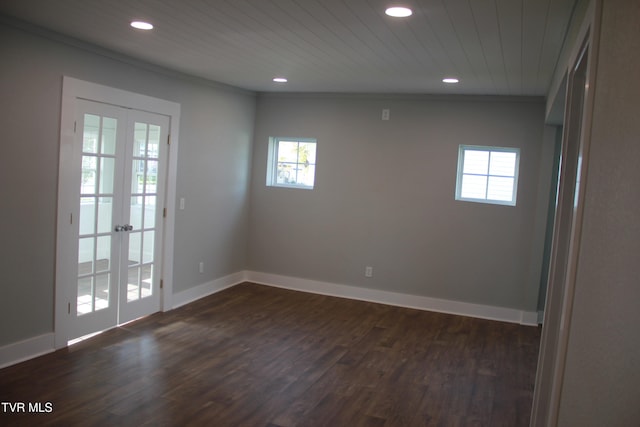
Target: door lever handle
126,227
119,228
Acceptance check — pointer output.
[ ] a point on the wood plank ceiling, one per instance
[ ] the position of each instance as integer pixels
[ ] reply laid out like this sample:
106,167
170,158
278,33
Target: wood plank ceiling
497,47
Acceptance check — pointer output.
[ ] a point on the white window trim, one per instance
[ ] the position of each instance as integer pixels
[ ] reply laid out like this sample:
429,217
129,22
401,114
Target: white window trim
461,152
272,162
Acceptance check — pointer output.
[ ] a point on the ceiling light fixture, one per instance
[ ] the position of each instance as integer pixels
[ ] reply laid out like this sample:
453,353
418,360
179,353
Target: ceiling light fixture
280,80
141,25
398,11
450,80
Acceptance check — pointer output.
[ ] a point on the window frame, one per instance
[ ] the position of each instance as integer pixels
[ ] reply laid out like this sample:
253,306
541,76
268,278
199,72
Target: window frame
272,162
490,149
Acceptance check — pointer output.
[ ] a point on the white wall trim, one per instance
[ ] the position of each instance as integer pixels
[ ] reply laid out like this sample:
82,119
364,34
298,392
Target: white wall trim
11,354
397,299
192,294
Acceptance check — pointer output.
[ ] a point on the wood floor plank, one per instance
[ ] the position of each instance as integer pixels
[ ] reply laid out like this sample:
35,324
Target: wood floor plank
258,356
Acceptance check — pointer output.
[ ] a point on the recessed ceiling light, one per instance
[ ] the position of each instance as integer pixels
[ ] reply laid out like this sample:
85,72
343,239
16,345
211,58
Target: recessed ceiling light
398,11
450,80
280,80
142,25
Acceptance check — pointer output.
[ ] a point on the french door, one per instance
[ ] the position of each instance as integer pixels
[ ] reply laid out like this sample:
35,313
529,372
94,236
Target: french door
120,167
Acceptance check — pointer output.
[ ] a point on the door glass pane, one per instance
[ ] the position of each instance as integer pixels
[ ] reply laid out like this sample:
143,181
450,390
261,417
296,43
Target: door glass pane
85,256
152,177
107,170
137,177
85,295
105,212
101,297
146,281
89,175
134,248
90,133
133,288
147,255
103,254
139,139
153,145
150,212
109,129
87,215
136,211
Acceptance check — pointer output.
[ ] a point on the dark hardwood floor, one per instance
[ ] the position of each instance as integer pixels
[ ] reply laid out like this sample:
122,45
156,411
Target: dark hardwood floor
259,356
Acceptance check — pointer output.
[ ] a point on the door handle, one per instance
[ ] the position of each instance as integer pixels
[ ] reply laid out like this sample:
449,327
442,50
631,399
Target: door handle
119,228
126,227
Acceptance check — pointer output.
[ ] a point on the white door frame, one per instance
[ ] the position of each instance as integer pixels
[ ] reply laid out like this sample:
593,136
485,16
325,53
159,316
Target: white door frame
73,89
570,204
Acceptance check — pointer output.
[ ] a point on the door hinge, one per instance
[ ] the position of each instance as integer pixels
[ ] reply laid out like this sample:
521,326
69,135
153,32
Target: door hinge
69,308
74,126
70,218
164,213
169,139
161,283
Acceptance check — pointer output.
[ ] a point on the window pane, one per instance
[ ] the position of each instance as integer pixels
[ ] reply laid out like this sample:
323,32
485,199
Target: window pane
500,189
133,284
134,248
90,133
107,170
305,175
105,209
150,212
476,162
288,151
139,140
154,141
137,177
108,135
307,153
502,163
85,291
474,187
152,177
146,281
89,172
87,215
102,291
286,173
135,215
148,246
85,256
103,254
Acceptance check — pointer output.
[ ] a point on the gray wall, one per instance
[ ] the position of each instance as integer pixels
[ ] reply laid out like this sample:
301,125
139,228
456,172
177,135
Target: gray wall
384,197
213,169
602,376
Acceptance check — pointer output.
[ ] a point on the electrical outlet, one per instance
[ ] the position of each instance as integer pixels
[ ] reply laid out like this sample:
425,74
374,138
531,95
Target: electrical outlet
201,267
368,271
385,114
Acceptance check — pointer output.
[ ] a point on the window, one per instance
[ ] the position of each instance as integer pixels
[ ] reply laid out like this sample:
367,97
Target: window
487,174
291,162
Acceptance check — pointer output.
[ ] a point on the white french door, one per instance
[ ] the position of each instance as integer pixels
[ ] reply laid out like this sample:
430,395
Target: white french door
120,167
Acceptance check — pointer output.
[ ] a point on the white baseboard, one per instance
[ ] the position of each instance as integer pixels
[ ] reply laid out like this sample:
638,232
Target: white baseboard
11,354
206,289
393,298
